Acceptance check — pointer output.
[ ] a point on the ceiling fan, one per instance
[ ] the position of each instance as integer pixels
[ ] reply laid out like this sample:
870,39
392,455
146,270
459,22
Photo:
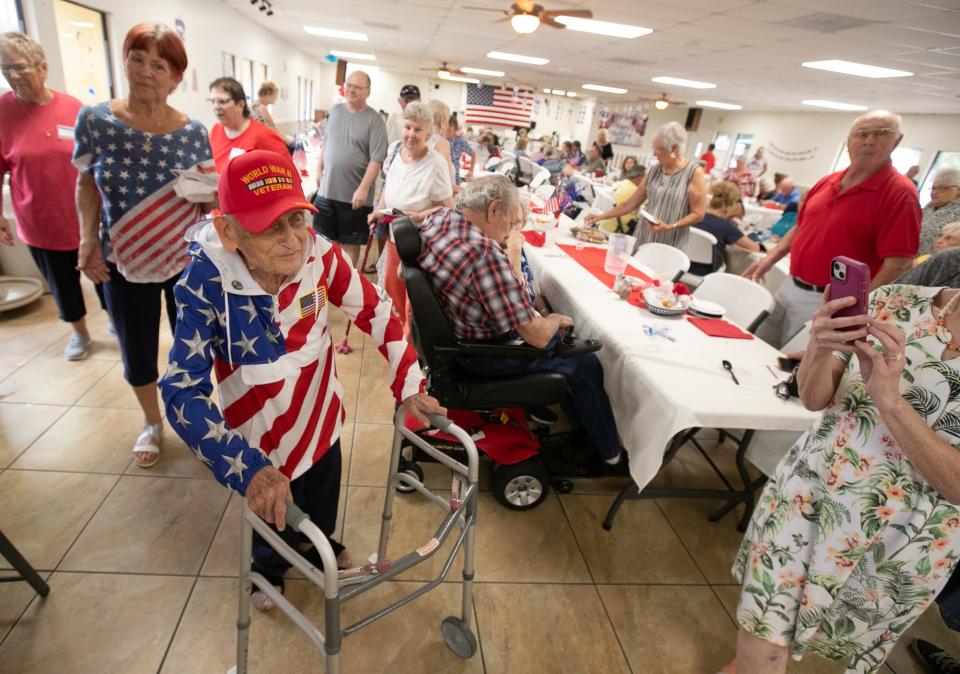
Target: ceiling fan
445,68
662,103
526,16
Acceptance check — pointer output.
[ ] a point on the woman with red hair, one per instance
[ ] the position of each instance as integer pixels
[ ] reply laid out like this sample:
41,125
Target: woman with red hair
130,153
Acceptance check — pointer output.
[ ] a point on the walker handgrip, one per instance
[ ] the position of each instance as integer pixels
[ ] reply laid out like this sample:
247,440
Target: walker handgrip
295,516
440,421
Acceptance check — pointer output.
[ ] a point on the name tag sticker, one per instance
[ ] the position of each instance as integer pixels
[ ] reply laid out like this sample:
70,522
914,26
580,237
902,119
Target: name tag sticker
236,152
64,132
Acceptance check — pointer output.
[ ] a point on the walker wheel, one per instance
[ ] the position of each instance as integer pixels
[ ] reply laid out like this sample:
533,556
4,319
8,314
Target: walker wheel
458,637
564,486
411,468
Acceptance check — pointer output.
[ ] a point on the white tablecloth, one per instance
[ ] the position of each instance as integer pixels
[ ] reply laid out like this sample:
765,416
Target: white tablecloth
658,387
761,217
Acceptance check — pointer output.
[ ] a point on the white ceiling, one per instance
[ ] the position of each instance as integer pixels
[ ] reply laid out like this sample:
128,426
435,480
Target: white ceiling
751,49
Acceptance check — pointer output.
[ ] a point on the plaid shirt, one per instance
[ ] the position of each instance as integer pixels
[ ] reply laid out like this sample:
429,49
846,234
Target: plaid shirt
472,277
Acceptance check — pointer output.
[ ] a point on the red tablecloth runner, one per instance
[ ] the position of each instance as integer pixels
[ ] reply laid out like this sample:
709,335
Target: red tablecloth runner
592,259
534,238
719,328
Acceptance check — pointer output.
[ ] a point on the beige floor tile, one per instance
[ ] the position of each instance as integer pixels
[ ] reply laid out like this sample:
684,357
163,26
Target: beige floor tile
21,424
348,372
102,347
641,548
375,403
85,439
14,598
151,525
407,641
346,451
176,459
97,623
729,596
712,544
29,330
692,631
10,363
930,627
43,512
371,459
546,628
52,381
111,391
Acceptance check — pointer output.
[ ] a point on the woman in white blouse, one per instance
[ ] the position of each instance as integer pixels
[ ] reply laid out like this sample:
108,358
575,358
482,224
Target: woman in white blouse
417,183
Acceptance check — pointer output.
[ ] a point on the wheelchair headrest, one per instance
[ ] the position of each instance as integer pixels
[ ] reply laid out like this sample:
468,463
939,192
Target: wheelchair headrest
406,234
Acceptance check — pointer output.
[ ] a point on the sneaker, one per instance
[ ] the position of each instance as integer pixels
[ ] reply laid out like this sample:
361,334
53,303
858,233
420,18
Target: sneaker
77,346
110,329
935,658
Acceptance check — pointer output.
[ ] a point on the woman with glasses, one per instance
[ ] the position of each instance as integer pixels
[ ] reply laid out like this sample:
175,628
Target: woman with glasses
944,207
129,151
36,144
236,131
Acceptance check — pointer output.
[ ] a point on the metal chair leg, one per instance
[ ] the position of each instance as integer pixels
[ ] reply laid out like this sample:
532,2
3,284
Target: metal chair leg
22,567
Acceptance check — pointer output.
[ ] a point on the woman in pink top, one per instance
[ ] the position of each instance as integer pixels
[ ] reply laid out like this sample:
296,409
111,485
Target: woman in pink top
36,143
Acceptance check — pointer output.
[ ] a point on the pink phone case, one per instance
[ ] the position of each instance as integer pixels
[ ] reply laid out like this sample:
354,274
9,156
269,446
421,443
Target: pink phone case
850,278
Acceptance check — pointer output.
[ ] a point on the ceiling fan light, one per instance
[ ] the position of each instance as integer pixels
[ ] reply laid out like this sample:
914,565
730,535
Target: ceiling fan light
525,23
661,104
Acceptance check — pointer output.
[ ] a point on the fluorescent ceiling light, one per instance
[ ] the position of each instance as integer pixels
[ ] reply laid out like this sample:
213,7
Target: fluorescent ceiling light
445,75
722,106
572,94
604,88
833,105
548,91
518,58
858,69
603,27
329,32
353,55
679,82
525,23
483,71
559,92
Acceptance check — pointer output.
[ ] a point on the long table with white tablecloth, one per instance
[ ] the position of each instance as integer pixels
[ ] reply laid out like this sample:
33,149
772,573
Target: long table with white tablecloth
659,388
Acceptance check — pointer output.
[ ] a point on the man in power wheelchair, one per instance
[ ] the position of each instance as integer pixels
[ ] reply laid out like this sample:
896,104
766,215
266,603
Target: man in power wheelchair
470,313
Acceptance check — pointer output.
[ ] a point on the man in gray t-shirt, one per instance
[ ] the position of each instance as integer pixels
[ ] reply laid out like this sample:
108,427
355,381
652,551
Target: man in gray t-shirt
355,148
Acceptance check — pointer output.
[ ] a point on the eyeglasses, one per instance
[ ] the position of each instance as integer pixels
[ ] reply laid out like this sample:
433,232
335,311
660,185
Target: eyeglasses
879,134
219,101
16,67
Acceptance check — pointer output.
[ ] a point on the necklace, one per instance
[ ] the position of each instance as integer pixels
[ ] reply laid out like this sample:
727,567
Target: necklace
942,333
37,124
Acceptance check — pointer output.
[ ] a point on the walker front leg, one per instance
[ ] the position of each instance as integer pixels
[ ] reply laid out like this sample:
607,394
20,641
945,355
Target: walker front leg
391,489
243,615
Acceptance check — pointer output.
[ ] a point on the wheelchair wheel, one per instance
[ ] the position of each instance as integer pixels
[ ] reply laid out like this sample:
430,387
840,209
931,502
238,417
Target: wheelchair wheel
411,468
521,486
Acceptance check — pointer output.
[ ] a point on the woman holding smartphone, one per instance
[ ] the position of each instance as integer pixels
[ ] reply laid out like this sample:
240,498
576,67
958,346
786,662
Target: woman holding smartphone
859,528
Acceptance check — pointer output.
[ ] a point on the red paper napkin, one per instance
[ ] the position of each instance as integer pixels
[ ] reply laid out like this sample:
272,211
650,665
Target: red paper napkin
636,298
535,239
719,328
592,260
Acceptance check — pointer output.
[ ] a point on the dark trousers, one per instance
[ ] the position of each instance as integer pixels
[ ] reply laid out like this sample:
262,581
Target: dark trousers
587,405
949,601
317,493
135,311
59,269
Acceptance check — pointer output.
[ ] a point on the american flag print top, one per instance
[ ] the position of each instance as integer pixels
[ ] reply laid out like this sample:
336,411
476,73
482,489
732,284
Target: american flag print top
143,220
273,358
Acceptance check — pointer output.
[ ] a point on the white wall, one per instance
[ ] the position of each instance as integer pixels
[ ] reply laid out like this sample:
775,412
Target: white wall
211,28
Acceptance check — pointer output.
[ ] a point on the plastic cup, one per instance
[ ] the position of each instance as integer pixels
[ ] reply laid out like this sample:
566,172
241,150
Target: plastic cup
618,252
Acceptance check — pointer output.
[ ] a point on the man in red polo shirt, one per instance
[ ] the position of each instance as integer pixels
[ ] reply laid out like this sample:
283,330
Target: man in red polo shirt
868,212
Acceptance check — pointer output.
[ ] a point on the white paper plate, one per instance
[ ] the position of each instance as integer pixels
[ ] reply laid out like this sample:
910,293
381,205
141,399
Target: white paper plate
707,308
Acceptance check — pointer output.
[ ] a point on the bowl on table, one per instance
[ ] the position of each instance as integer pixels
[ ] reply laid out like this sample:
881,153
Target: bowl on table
706,309
661,304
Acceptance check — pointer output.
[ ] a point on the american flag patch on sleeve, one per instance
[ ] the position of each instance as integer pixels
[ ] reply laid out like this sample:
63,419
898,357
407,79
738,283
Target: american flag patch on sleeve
313,302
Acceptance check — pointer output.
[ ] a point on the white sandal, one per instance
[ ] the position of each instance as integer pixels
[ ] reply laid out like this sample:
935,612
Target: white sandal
149,443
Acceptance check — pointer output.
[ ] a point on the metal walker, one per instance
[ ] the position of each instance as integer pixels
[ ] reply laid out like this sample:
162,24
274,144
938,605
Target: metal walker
460,509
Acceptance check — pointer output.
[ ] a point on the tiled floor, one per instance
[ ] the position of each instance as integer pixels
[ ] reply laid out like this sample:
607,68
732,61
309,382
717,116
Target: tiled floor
141,563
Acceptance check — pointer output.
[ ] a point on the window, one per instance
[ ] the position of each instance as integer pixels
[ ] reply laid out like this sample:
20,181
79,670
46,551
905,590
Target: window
741,147
245,77
902,158
11,18
228,65
82,33
942,160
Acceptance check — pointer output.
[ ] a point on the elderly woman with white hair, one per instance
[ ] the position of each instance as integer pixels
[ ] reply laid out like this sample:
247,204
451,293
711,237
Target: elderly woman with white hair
944,207
675,190
417,183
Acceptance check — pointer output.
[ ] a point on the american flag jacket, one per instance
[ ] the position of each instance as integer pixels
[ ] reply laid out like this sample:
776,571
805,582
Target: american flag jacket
273,357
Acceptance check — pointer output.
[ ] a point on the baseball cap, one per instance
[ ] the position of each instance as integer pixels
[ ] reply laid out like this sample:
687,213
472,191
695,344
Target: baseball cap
411,91
259,187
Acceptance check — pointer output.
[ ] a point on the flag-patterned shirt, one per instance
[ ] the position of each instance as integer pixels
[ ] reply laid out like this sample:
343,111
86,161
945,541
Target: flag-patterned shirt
279,394
143,220
472,277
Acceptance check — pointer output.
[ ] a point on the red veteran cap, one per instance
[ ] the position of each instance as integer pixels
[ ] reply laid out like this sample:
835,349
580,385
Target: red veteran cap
259,187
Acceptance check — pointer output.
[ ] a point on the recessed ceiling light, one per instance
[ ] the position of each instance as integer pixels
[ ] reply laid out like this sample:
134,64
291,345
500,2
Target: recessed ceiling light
353,55
330,32
517,58
721,106
445,75
603,27
483,71
559,92
604,88
858,69
572,94
679,82
833,105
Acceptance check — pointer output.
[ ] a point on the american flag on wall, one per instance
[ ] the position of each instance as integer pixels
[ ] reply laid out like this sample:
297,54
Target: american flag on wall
499,105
